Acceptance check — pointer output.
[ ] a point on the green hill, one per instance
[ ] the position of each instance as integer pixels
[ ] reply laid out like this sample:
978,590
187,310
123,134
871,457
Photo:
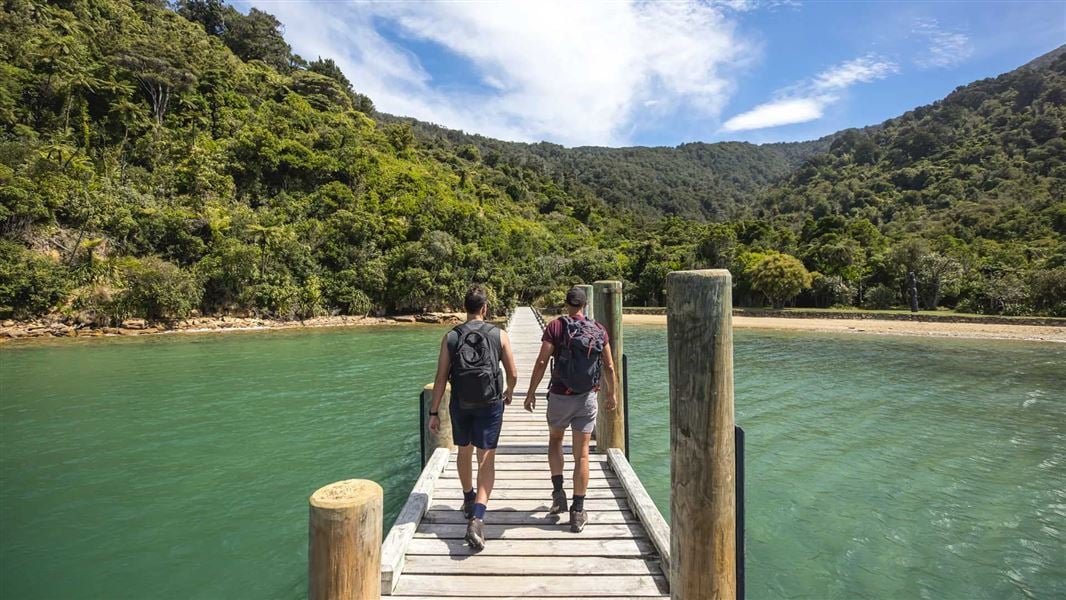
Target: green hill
695,181
970,192
160,160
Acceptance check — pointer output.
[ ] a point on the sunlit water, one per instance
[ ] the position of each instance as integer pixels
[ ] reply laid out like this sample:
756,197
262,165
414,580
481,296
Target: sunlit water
179,467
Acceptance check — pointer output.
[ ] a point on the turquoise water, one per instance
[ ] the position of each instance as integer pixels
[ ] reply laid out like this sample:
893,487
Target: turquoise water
179,467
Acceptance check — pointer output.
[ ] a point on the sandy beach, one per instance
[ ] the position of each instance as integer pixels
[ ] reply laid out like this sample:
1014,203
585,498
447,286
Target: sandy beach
990,331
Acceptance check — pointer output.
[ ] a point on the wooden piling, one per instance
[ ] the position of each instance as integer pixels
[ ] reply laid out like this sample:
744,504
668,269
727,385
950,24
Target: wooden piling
610,425
344,541
703,459
590,310
431,441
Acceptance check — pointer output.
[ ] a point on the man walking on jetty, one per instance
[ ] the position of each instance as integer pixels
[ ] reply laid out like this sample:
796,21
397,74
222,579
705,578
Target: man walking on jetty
469,359
582,353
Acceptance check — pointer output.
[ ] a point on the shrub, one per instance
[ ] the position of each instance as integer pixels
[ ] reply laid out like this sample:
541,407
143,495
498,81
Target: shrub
156,289
1048,290
780,277
276,295
881,297
31,284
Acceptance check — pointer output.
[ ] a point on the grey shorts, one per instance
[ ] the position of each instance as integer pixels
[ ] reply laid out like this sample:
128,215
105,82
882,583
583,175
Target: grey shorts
577,411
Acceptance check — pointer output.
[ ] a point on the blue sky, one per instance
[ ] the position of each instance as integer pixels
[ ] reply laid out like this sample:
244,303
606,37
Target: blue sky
665,73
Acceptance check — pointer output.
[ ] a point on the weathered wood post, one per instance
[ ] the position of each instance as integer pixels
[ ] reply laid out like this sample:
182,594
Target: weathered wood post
590,310
703,456
344,541
431,441
610,426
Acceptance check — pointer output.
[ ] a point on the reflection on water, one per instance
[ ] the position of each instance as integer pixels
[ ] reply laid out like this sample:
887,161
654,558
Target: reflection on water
180,467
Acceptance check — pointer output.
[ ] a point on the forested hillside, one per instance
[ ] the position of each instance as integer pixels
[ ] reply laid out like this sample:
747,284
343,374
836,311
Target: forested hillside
969,193
157,160
696,181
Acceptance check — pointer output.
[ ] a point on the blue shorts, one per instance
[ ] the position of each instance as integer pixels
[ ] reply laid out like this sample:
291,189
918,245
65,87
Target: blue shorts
477,426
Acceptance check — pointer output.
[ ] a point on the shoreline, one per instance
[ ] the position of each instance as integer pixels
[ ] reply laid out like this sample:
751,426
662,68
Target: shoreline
867,326
11,331
42,330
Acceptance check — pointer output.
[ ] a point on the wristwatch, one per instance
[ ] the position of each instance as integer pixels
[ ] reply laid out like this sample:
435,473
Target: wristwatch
434,414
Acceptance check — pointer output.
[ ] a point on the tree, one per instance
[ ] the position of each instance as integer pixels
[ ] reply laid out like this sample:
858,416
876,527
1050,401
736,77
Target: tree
159,73
209,13
257,36
780,277
717,247
936,272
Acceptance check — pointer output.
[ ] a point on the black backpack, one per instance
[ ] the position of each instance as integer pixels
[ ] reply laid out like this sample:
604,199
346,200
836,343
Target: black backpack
475,372
577,363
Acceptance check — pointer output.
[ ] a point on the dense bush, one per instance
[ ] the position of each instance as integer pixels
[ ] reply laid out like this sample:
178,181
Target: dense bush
30,283
881,297
156,289
780,277
157,161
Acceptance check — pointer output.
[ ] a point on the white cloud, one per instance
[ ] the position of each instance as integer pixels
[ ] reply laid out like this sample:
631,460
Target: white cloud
860,70
946,48
779,112
575,73
807,100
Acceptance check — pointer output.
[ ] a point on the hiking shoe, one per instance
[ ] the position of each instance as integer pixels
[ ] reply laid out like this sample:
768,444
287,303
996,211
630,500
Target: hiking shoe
468,509
578,519
475,534
558,503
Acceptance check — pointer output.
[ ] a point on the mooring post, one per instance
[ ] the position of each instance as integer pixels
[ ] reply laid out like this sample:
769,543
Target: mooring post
431,441
610,426
344,541
590,310
703,455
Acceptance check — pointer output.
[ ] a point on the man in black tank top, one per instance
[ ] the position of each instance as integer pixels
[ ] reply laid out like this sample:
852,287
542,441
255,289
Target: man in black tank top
470,357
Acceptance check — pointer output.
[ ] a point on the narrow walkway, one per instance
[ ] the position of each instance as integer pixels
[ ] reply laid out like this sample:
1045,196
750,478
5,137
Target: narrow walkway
529,553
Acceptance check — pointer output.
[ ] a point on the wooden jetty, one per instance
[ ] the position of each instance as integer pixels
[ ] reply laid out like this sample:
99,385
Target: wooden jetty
623,552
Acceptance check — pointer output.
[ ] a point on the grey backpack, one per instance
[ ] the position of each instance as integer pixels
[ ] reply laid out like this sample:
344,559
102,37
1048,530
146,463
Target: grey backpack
577,363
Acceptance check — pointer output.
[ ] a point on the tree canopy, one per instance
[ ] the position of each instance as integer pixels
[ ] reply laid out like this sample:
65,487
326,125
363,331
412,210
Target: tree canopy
157,160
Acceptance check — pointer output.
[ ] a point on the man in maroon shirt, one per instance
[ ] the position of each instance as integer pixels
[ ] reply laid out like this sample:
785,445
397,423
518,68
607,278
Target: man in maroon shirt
580,347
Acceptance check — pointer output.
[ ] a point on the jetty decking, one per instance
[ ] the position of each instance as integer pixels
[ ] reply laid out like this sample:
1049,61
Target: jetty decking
622,553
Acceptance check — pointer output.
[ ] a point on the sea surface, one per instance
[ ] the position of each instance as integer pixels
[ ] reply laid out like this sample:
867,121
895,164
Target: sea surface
180,466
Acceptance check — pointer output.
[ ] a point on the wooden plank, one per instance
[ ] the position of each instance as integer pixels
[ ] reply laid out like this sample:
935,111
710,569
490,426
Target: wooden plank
595,458
521,585
654,524
544,531
524,517
664,597
505,565
633,548
526,472
543,494
528,484
395,545
590,505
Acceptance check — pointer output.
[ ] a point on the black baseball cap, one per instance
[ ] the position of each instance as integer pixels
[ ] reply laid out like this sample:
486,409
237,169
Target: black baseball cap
576,297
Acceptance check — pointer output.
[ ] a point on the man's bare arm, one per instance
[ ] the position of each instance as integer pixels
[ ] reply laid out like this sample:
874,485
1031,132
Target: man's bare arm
508,366
610,380
444,364
546,350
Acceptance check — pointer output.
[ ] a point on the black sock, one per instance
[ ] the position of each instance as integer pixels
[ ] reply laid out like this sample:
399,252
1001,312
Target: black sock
578,503
469,496
557,483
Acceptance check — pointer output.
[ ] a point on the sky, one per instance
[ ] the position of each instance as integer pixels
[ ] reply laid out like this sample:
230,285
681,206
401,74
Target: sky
621,73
